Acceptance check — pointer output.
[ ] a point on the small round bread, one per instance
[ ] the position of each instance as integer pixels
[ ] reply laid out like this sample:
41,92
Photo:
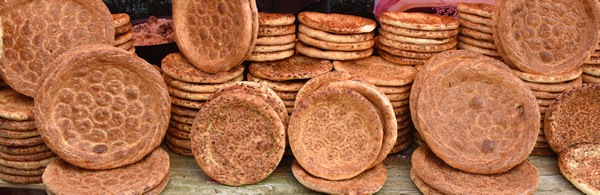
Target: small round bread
477,42
61,177
124,38
484,51
270,56
123,29
17,179
591,69
126,46
590,78
35,32
22,172
315,83
198,87
193,104
553,78
476,34
315,138
276,30
386,89
480,9
238,139
332,55
177,133
415,47
555,87
336,38
522,179
27,157
521,28
356,46
574,118
34,164
337,23
179,150
483,97
545,95
184,111
437,34
378,71
24,150
579,164
404,53
22,142
272,48
15,106
18,134
17,125
177,66
400,60
413,40
419,21
486,28
99,104
368,182
287,95
476,19
174,92
293,68
422,186
275,19
120,19
293,85
276,40
215,36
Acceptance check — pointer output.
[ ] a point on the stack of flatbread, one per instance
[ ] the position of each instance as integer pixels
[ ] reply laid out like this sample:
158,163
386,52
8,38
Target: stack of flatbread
591,67
189,87
23,153
475,31
123,32
395,81
104,112
286,77
572,127
276,37
238,137
335,36
413,38
479,123
340,132
548,64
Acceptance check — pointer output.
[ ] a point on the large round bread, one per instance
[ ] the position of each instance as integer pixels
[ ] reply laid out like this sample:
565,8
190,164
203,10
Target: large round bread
522,179
315,134
237,139
215,36
460,102
315,83
15,106
368,182
337,23
574,117
102,108
579,164
35,32
522,28
378,71
61,177
293,68
419,21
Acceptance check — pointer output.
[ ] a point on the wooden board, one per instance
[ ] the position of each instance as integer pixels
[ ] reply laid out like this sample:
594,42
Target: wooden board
188,178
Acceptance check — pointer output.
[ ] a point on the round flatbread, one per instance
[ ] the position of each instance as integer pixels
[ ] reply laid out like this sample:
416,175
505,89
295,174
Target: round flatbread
415,47
270,56
22,172
35,32
219,40
100,103
579,164
337,23
182,143
356,46
124,38
192,104
476,34
182,119
554,78
591,69
120,19
221,147
22,142
489,52
287,95
413,40
315,139
573,118
198,87
522,179
123,29
555,87
17,125
477,42
336,38
177,133
437,34
126,46
293,68
480,9
276,30
332,55
188,95
275,19
387,89
178,67
184,111
590,78
15,106
17,179
476,19
421,185
27,164
486,28
418,21
273,48
368,182
315,83
545,95
61,177
400,60
293,85
180,126
276,40
18,134
525,43
27,157
405,53
179,150
24,150
378,71
483,96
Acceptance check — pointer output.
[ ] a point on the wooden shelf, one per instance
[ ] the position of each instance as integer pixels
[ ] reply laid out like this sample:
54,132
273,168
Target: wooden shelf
188,178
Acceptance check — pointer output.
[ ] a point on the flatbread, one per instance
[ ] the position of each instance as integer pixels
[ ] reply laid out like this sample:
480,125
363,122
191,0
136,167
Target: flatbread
192,104
476,19
355,46
421,185
180,126
287,95
477,42
222,125
124,38
15,106
337,23
126,46
22,142
27,157
591,69
16,179
182,143
270,56
542,152
188,95
273,48
400,60
555,87
405,53
293,85
590,78
27,164
476,34
296,67
332,55
123,29
18,134
198,87
178,133
184,111
182,119
554,78
415,47
179,150
17,125
156,190
178,67
22,172
486,28
573,118
275,19
24,150
315,83
120,19
336,38
419,21
579,164
399,103
368,182
478,93
315,139
276,30
387,89
61,177
480,9
530,49
414,40
522,179
35,32
378,71
123,95
545,95
489,52
437,34
276,40
236,23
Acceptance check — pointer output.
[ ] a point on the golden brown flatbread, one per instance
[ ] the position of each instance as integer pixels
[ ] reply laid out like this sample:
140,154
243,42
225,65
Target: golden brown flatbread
378,71
15,106
419,21
579,165
337,23
368,182
178,67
